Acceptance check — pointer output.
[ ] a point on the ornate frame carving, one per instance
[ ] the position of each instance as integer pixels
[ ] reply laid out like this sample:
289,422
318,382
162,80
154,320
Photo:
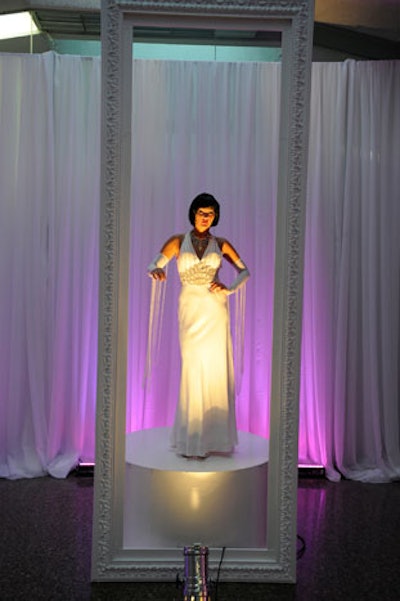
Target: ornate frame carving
276,563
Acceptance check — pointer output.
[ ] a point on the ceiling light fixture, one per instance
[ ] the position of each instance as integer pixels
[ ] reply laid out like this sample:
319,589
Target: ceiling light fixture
17,25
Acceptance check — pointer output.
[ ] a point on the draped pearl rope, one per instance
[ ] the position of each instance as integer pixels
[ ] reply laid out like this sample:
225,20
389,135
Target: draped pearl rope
157,302
239,314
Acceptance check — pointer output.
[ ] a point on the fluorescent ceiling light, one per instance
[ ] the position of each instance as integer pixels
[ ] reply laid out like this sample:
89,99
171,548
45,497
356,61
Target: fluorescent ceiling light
17,25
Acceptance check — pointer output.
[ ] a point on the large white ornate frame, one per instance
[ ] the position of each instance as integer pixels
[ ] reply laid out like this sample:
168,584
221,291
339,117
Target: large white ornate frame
294,18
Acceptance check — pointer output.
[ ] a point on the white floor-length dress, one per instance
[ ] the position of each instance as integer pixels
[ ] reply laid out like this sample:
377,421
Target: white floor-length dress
205,419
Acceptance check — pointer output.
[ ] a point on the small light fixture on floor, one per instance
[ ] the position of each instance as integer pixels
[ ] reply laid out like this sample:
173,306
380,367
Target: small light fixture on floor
84,469
196,573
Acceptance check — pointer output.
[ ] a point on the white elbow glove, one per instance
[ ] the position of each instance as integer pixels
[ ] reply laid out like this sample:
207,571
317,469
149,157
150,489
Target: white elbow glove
242,277
158,262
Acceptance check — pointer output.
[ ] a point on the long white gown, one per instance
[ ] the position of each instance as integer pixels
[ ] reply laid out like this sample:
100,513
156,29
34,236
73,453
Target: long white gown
205,419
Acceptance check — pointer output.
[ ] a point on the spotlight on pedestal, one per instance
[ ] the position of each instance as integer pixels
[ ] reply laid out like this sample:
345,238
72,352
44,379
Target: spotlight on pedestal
196,573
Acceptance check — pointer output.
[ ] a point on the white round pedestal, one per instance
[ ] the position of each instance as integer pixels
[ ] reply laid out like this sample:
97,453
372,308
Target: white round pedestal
171,501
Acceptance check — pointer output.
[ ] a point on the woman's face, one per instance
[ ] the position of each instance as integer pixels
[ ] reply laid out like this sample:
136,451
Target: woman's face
204,218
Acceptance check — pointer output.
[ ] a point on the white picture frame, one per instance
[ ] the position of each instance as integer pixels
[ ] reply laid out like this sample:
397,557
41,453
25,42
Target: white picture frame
294,19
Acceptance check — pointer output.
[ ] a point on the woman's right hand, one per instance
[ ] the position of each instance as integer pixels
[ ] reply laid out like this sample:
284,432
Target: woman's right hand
158,274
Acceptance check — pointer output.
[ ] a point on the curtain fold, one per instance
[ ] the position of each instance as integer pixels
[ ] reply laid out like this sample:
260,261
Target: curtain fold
199,127
49,121
350,387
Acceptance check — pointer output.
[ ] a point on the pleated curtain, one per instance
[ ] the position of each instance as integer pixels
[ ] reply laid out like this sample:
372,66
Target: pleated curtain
198,127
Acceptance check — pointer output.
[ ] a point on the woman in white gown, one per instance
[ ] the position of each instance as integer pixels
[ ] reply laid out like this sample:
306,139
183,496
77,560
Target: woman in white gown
205,420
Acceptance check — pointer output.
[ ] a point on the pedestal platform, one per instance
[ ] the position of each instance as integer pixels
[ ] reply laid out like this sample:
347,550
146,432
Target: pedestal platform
171,501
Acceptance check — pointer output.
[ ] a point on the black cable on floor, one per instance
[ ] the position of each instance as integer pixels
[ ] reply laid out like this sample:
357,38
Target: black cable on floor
218,573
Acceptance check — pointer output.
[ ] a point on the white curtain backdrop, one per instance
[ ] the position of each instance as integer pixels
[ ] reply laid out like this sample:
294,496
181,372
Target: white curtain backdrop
49,173
198,127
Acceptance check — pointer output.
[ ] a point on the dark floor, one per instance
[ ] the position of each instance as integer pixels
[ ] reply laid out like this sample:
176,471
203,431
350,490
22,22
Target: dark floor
351,531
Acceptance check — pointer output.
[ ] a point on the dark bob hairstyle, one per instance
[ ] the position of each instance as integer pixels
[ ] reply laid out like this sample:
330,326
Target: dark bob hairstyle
203,201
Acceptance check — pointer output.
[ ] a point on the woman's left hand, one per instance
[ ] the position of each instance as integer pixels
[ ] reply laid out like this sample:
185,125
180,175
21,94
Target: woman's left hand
218,287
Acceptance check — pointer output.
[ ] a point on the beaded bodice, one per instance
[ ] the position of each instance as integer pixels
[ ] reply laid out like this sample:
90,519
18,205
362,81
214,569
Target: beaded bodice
193,270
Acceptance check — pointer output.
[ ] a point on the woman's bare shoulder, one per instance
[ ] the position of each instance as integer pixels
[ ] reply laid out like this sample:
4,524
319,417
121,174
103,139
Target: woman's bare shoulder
224,244
228,250
172,245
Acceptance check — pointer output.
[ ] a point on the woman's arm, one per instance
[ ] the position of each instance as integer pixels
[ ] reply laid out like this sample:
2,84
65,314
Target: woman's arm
169,250
231,255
